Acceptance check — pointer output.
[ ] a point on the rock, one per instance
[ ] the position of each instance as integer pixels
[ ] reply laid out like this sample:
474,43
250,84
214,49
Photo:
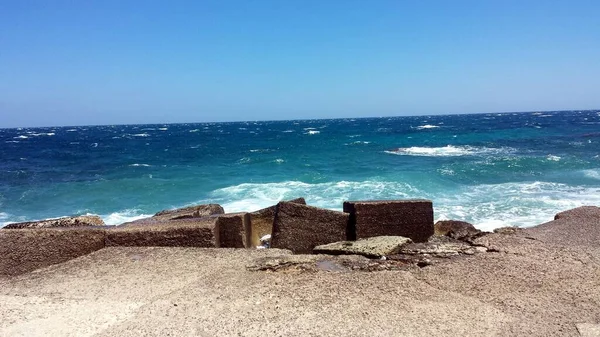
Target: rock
459,230
192,232
196,211
440,248
261,222
232,231
509,230
300,228
73,221
24,250
377,246
584,212
323,263
579,227
408,218
588,329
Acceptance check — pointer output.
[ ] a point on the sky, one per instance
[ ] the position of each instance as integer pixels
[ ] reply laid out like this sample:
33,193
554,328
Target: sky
123,62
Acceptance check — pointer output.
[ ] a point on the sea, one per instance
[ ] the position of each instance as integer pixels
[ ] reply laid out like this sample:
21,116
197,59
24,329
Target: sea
490,169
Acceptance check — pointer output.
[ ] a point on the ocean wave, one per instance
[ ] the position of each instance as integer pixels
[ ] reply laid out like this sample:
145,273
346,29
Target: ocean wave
121,217
426,126
592,173
553,158
12,141
488,206
141,135
448,151
136,165
21,137
313,132
41,134
163,129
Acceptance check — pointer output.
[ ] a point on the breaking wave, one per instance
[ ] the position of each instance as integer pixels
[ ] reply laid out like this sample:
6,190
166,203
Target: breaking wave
448,151
486,206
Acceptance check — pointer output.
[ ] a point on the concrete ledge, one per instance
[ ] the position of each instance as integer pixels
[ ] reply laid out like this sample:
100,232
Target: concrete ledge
300,228
24,250
409,218
192,232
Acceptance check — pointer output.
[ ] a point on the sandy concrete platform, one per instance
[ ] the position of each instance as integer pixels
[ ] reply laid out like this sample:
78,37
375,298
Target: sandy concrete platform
525,287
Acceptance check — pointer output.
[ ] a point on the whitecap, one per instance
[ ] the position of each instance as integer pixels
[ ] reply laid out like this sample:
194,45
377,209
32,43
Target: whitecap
71,130
12,141
195,130
94,145
553,158
427,126
313,132
287,131
592,173
448,151
21,137
137,165
163,129
278,160
141,135
121,217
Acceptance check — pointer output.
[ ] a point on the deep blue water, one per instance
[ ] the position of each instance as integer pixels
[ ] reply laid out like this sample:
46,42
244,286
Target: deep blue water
489,169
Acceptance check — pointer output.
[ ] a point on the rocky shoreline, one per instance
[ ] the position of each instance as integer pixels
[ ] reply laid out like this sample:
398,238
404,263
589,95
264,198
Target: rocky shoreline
539,281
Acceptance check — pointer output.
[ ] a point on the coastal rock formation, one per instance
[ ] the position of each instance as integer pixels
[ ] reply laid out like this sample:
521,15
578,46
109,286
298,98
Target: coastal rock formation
196,211
192,232
261,222
74,221
377,246
300,228
408,218
459,230
23,250
583,212
579,227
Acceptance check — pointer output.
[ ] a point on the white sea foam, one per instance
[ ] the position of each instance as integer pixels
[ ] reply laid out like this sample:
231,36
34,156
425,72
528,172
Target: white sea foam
592,173
553,158
141,135
287,131
195,130
448,151
21,137
278,160
427,126
144,165
163,129
71,130
12,141
313,132
127,215
41,134
487,206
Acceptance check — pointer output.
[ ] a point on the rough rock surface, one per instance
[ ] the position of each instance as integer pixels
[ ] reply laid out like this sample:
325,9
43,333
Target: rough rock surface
261,222
300,228
74,221
459,230
191,232
23,250
583,212
232,230
408,218
196,211
377,246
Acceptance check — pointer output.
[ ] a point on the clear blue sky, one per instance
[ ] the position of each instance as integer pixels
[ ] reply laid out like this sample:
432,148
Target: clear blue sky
111,62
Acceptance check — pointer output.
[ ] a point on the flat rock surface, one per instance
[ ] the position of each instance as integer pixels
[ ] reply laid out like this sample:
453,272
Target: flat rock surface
377,246
73,221
521,287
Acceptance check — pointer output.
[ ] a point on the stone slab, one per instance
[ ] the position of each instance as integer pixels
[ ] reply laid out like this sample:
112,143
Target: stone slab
409,218
73,221
260,223
192,232
377,246
196,211
24,250
300,228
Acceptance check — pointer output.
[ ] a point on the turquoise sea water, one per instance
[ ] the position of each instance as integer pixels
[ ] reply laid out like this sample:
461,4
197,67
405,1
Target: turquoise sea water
489,169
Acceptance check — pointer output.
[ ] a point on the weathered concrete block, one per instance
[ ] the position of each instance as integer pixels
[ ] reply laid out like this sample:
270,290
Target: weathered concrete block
24,250
73,221
192,232
197,211
232,230
260,223
408,218
300,228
